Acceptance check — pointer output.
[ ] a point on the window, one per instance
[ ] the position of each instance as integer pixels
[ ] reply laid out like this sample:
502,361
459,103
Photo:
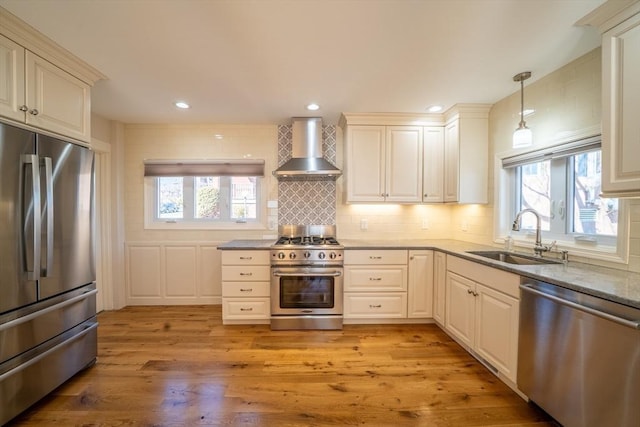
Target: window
202,194
206,198
562,184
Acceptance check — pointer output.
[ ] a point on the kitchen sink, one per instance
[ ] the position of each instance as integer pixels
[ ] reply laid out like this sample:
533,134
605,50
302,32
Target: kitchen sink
513,258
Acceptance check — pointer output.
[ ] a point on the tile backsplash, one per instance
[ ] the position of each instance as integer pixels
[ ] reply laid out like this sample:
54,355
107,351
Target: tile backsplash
306,202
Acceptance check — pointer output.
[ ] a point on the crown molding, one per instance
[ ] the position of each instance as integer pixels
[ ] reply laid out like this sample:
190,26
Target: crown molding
610,14
25,35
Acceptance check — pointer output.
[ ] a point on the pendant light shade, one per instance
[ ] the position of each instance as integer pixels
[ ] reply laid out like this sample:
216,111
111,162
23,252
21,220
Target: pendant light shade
522,137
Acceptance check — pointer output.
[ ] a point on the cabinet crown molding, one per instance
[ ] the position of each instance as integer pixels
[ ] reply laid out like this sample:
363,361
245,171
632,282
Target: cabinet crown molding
610,14
25,35
390,119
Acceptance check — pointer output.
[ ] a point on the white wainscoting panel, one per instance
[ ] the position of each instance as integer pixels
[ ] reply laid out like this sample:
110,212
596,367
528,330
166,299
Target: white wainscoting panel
170,273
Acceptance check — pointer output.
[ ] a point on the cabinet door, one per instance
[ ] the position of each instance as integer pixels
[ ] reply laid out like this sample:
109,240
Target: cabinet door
496,334
12,79
433,165
57,101
403,181
621,103
451,165
460,308
439,279
420,295
365,163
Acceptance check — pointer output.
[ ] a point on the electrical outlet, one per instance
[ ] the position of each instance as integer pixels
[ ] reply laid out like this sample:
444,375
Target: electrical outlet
425,224
364,224
464,225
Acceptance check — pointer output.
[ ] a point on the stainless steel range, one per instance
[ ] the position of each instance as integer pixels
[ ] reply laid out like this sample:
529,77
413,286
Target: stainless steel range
307,278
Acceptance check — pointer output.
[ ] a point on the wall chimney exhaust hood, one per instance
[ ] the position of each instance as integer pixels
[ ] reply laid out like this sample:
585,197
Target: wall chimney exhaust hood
307,162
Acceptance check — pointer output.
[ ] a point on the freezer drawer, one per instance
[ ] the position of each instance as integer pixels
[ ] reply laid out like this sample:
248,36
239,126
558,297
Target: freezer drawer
28,328
36,373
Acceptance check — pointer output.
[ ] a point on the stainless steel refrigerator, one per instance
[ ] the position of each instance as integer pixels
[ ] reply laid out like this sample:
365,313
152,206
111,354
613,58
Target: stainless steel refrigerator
48,327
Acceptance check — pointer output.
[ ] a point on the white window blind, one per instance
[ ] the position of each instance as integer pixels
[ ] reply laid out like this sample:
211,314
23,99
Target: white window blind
556,152
217,167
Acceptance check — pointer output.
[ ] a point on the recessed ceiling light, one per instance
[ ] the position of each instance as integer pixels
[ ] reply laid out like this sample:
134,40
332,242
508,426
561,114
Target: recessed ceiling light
182,104
313,107
434,108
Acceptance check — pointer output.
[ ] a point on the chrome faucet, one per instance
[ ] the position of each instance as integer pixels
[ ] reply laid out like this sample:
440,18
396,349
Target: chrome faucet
538,248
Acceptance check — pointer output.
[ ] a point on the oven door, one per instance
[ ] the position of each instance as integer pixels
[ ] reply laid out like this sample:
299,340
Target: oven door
306,291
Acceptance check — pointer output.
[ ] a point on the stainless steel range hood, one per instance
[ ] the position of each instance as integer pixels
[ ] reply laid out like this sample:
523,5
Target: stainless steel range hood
307,161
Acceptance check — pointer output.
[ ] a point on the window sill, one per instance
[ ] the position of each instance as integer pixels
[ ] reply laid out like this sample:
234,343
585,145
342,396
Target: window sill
186,225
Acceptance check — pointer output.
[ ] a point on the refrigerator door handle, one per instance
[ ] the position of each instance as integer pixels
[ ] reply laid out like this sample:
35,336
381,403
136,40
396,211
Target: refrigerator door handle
31,208
48,179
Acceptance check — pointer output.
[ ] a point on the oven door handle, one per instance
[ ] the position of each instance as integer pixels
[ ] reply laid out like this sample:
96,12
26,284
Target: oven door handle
336,273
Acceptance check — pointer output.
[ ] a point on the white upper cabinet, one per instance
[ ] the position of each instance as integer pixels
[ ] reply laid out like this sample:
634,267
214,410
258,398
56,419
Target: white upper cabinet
365,152
619,23
384,164
403,180
12,83
430,158
621,104
466,154
56,100
433,164
41,84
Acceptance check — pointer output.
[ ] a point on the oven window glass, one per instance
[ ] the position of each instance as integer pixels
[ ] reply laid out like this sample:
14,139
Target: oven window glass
306,292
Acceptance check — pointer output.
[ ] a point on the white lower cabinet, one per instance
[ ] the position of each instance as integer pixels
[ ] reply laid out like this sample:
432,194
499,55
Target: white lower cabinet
375,284
245,287
420,289
439,280
482,312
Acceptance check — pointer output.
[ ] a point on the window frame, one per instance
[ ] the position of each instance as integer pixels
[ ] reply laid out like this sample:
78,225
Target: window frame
507,196
190,170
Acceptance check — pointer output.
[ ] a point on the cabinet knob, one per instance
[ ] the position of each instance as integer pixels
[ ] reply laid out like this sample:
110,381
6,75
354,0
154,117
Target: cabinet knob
426,195
23,108
34,112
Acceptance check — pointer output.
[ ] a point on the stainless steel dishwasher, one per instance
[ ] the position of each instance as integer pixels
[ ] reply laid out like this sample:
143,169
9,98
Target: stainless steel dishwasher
579,356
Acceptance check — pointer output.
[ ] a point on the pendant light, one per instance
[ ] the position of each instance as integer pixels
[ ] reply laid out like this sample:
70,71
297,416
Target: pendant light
522,137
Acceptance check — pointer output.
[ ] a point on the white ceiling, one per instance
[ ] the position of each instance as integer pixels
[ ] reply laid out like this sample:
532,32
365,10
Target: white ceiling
262,61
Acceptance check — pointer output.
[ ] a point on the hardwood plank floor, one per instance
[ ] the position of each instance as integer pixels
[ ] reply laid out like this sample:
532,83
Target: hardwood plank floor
179,366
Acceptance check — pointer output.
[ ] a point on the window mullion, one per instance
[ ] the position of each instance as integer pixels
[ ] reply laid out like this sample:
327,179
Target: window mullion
559,197
189,198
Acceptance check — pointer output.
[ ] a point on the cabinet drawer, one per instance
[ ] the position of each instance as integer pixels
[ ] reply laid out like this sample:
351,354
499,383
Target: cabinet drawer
249,273
245,308
245,289
245,257
383,278
375,305
376,257
505,282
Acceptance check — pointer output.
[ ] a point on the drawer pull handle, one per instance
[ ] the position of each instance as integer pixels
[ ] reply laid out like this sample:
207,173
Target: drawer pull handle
246,257
246,290
375,306
474,293
375,279
375,257
246,274
246,309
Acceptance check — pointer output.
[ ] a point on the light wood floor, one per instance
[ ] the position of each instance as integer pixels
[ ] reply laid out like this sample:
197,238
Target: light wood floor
179,366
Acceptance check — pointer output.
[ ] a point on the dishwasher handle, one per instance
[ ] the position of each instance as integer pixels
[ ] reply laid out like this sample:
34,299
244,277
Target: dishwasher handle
634,324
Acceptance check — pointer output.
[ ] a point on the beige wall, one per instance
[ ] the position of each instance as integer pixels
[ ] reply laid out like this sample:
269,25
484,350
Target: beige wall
568,105
192,142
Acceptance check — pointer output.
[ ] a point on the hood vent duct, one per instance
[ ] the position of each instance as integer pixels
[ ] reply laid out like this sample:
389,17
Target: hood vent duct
307,162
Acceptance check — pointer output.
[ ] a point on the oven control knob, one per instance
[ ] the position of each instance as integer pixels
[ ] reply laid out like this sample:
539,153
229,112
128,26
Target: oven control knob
333,255
292,255
280,255
307,254
321,255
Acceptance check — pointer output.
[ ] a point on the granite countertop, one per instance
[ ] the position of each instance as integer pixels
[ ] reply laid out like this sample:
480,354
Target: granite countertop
608,283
